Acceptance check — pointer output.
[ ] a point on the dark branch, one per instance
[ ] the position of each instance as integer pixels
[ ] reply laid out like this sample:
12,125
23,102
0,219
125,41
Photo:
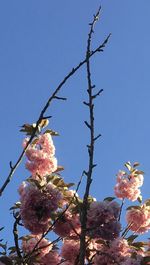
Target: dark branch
91,165
15,233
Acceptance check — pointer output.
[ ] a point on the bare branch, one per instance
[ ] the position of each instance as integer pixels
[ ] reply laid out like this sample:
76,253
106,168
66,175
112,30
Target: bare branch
15,233
90,125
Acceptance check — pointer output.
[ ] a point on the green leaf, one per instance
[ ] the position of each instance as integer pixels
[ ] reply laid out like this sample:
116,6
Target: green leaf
29,129
131,238
59,168
70,185
128,166
35,182
145,260
100,241
134,207
138,245
139,199
56,180
44,123
136,164
51,132
147,203
139,172
109,199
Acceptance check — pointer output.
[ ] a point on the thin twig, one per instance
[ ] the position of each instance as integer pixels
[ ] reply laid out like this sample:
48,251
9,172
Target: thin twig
121,207
42,114
15,233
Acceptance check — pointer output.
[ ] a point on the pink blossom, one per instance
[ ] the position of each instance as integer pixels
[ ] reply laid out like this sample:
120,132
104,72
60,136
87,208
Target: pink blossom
37,207
43,248
23,188
68,225
102,220
133,261
43,254
139,219
40,154
128,185
115,253
70,250
52,258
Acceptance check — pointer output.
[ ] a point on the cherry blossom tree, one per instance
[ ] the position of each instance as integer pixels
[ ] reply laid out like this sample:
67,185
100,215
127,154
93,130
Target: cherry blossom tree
86,231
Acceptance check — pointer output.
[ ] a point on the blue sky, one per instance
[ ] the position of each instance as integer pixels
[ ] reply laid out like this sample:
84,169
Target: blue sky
40,42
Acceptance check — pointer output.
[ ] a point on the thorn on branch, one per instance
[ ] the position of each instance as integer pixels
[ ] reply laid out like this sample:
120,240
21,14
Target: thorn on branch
10,164
97,137
93,86
89,151
85,173
46,117
94,165
60,98
87,124
86,103
97,94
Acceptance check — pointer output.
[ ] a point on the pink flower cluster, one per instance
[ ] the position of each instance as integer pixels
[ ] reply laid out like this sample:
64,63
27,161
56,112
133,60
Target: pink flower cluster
116,252
41,254
29,244
138,218
37,206
128,185
102,220
44,203
68,225
70,250
40,154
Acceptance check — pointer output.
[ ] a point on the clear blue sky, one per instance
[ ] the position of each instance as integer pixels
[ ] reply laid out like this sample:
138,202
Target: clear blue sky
40,42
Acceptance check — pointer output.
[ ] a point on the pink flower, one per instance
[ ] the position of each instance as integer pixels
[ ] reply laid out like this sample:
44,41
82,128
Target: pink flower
23,188
128,185
52,258
102,220
139,219
37,207
70,250
133,261
43,253
115,253
68,225
43,248
40,154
